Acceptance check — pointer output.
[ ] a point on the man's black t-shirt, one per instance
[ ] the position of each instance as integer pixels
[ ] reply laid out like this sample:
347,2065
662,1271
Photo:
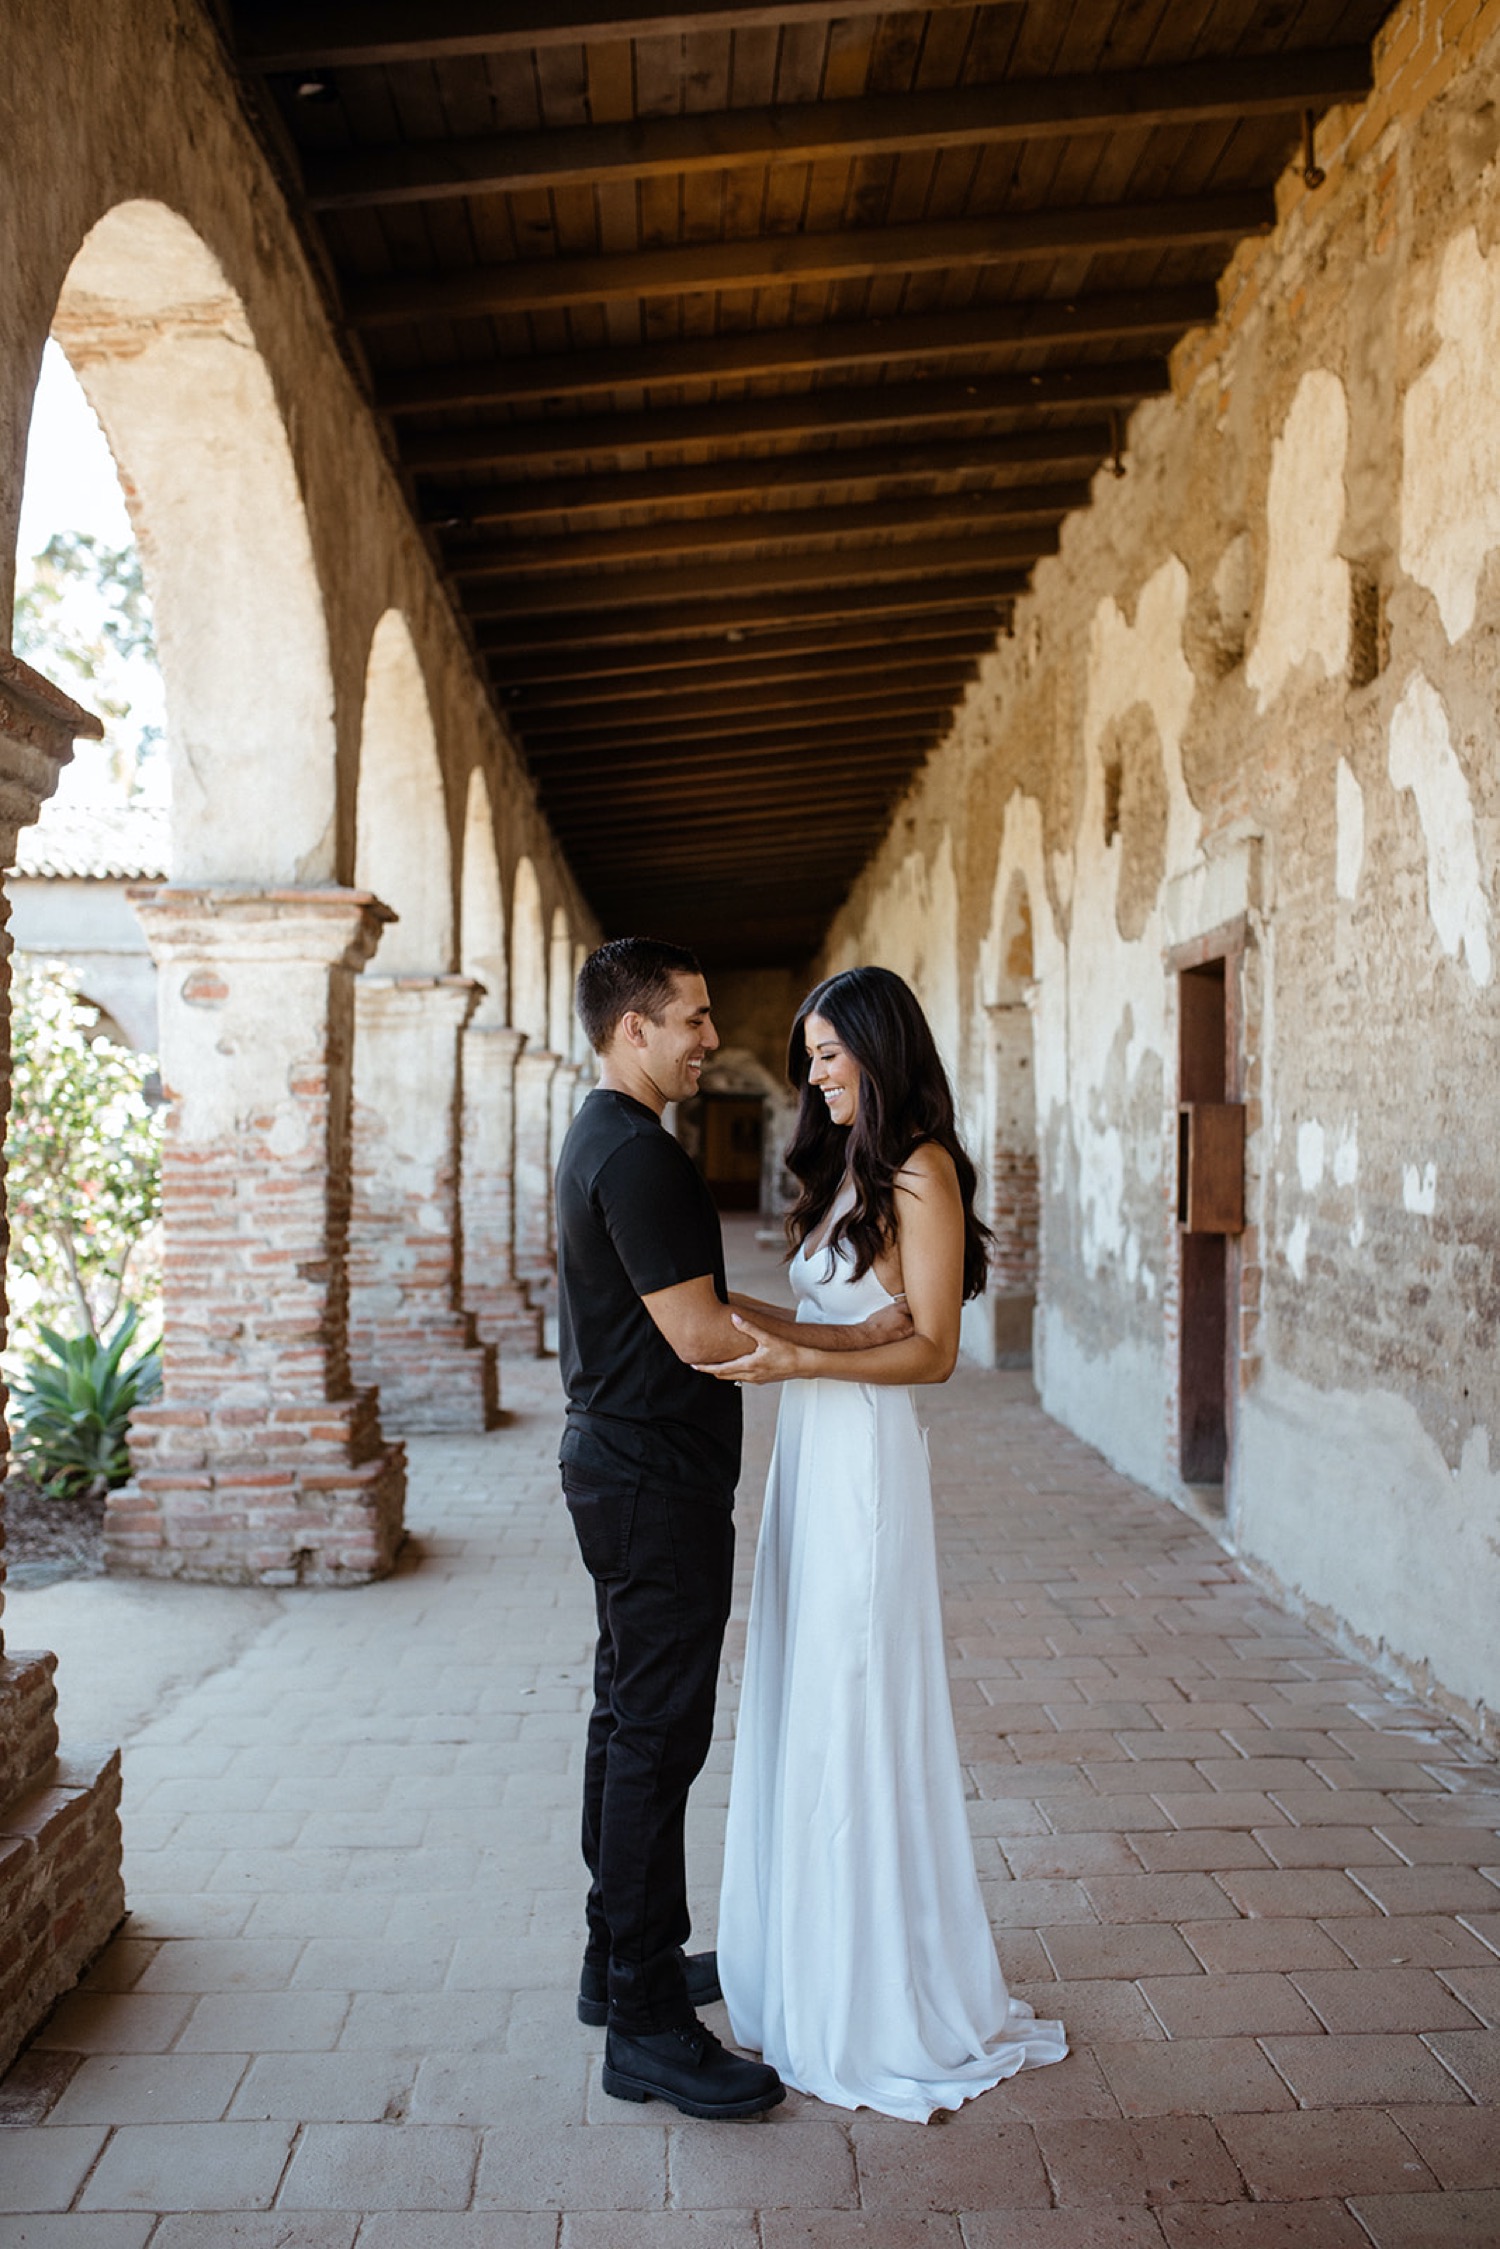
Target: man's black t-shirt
633,1217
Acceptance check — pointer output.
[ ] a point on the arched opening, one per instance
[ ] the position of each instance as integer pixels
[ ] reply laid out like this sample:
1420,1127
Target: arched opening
528,955
401,849
560,985
162,345
481,941
735,1129
409,1332
1015,1172
491,1044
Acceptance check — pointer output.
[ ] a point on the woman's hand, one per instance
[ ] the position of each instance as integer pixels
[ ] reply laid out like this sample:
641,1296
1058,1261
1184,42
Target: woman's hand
893,1323
771,1360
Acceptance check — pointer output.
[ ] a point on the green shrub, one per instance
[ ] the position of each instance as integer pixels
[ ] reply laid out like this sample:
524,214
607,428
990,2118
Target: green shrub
73,1407
83,1158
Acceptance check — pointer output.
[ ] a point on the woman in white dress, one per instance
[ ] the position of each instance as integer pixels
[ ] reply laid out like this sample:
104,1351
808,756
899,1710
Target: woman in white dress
854,1948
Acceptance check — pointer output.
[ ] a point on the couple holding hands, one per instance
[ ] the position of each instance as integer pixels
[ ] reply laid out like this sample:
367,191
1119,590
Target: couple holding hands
854,1951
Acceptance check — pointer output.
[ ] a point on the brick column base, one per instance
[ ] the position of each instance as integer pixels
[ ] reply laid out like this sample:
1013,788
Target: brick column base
61,1895
261,1464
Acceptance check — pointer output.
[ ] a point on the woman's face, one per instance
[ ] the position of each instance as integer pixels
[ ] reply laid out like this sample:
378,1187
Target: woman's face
832,1070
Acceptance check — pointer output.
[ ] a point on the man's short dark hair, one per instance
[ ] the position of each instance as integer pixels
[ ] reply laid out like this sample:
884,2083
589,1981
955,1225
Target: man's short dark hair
628,976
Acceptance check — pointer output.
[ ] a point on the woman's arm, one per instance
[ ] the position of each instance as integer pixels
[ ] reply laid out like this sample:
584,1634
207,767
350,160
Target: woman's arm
930,1239
888,1325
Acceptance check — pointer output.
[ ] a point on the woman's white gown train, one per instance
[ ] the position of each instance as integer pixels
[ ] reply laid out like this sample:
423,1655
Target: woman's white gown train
854,1948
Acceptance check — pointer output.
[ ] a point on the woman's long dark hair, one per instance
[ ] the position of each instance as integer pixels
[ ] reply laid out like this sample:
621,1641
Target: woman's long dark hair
904,1099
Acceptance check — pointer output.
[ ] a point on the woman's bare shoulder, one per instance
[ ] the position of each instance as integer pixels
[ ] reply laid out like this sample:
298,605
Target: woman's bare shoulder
929,1169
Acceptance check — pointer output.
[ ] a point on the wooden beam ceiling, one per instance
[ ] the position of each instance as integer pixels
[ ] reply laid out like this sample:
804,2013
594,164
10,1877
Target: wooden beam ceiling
741,361
1020,111
819,414
523,503
1020,238
823,348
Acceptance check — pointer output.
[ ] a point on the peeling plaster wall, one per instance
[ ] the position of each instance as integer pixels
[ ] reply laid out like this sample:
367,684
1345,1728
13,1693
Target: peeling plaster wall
1255,693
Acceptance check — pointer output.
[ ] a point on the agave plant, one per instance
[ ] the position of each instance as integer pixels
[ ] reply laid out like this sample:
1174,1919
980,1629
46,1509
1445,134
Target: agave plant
73,1407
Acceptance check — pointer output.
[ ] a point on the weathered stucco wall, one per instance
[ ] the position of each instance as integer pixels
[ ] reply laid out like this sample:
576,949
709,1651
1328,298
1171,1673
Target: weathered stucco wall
100,110
1257,691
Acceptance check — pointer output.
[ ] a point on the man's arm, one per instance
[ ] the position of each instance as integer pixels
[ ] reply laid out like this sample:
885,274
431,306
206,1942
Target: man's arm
703,1332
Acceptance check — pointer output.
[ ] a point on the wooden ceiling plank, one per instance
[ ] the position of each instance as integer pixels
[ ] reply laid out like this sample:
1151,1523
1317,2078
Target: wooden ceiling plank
518,664
903,561
737,712
1016,111
966,514
665,690
833,412
736,797
867,767
649,613
890,745
291,35
537,500
802,350
1011,238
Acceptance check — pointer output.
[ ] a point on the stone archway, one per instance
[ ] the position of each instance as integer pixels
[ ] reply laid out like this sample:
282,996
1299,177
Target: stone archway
408,1330
491,1045
260,1463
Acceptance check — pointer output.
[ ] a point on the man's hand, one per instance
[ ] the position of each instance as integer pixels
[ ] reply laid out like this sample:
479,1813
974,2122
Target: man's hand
893,1325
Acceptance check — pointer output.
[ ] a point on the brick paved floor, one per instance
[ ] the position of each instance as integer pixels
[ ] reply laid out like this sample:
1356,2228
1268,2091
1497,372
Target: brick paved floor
1259,1887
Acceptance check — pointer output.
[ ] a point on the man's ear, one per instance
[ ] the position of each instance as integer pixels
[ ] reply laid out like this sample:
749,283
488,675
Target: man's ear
633,1028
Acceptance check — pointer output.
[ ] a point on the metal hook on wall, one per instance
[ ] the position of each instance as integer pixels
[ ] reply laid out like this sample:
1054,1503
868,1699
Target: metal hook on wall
1313,174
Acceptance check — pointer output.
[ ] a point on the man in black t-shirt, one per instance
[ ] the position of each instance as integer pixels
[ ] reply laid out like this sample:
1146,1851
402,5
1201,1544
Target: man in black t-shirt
650,1456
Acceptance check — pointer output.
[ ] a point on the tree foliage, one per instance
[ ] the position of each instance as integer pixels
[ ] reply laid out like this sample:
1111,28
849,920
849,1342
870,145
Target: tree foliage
83,617
83,1158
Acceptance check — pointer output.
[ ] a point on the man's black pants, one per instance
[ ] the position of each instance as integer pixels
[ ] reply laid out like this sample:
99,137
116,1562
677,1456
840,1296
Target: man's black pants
663,1568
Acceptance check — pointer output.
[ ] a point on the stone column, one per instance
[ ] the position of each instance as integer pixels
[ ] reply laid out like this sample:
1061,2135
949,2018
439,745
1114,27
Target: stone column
408,1330
261,1464
492,1293
535,1265
564,1104
61,1894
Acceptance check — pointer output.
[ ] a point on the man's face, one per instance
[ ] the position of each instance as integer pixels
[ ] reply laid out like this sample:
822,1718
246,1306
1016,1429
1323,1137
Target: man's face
675,1049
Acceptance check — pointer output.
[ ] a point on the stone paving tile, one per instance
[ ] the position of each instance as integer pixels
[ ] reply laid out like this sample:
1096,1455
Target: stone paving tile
1139,2160
1323,2152
1203,1838
1450,2221
151,2089
189,2167
1460,2146
46,2165
967,2163
1262,2225
1345,2070
389,2166
1195,2076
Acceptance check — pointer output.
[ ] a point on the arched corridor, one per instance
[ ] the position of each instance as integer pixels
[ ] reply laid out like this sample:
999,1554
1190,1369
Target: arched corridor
1006,494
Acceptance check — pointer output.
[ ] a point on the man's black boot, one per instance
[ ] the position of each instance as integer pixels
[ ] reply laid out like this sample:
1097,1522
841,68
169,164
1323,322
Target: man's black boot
691,2071
700,1972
